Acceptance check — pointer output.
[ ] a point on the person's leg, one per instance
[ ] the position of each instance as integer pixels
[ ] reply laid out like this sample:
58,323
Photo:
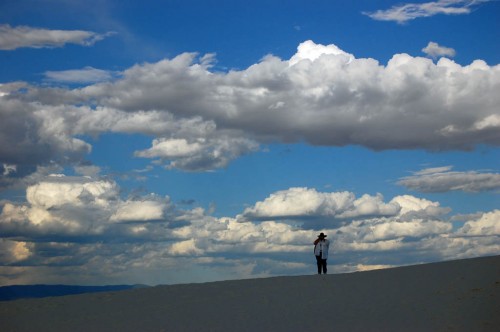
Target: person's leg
319,263
323,262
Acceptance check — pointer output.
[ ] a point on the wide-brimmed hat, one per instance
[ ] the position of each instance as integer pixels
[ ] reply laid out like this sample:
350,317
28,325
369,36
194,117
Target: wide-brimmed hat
322,235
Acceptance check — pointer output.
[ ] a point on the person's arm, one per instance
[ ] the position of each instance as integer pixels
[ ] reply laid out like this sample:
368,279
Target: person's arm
316,241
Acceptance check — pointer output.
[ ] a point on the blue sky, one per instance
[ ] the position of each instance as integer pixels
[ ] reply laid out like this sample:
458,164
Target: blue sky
183,141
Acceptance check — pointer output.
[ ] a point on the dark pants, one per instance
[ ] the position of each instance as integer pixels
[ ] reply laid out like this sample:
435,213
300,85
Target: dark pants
321,264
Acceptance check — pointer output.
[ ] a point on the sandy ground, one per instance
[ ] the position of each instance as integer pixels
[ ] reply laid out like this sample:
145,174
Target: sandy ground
459,295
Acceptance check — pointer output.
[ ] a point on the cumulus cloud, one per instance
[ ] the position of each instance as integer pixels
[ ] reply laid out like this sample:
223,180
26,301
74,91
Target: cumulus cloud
202,120
12,38
185,248
72,225
77,207
485,225
34,135
435,50
410,11
61,206
309,203
414,206
46,134
324,96
443,179
59,190
311,51
388,234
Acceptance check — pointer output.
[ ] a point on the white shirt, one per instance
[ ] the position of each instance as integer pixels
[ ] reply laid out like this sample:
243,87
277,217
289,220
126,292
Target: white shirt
322,248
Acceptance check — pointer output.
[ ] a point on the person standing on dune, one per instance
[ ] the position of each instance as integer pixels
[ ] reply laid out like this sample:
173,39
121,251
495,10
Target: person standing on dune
321,245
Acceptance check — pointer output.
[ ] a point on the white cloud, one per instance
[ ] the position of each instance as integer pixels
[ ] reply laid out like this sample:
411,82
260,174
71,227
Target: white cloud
410,11
200,154
80,207
435,50
172,148
88,170
72,225
444,180
51,130
492,121
308,50
140,211
184,248
202,120
487,224
12,38
57,191
331,98
415,229
368,205
85,75
309,203
414,205
388,234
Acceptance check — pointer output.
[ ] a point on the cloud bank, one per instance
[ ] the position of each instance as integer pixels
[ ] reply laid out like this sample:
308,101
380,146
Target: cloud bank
202,119
80,230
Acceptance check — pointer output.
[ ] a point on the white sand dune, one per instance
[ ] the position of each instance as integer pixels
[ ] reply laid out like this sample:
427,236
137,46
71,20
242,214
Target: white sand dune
461,295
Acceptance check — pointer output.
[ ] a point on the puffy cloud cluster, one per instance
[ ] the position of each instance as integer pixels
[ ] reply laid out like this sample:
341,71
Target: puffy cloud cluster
70,226
59,190
442,179
308,50
309,203
323,95
12,38
410,11
78,208
487,224
203,120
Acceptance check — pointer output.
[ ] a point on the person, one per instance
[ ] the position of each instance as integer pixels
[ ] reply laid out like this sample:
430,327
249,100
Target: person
321,245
